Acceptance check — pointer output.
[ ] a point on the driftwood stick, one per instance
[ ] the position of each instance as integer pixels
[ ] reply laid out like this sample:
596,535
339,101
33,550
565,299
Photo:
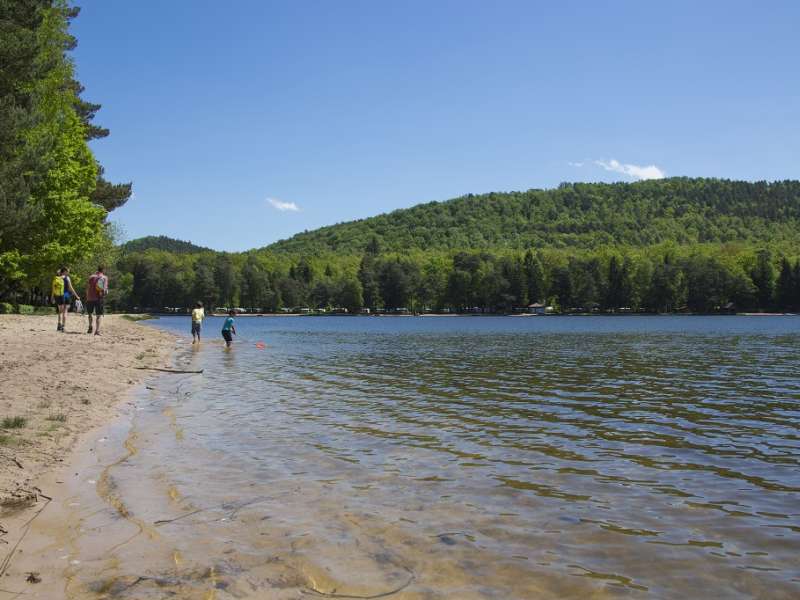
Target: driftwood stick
183,516
177,371
42,494
25,529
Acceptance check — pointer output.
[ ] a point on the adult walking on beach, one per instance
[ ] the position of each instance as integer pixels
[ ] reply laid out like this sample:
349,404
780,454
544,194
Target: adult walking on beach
62,292
96,292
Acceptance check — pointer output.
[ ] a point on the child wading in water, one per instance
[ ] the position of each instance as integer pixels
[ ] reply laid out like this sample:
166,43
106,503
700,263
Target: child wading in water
197,321
228,327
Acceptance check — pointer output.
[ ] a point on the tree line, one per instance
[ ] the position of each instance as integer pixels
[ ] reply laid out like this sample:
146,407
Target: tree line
53,195
665,278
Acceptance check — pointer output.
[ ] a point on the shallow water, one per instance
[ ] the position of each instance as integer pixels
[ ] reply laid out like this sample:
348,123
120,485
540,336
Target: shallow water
438,457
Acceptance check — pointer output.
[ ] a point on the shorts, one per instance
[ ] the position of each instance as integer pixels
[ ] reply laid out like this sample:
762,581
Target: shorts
59,300
227,335
196,325
95,306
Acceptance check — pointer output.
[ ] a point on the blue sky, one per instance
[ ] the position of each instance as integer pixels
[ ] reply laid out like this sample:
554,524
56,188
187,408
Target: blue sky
241,123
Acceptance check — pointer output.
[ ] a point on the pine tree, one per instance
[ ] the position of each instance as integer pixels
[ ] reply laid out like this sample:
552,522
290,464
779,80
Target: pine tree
534,278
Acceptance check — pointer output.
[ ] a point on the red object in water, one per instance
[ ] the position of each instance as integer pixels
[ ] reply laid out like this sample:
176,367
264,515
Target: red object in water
261,345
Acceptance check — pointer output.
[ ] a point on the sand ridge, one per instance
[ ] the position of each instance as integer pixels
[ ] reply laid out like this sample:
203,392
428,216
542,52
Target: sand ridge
54,387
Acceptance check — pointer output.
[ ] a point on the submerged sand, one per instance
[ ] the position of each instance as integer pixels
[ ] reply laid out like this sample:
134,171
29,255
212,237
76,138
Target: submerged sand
54,387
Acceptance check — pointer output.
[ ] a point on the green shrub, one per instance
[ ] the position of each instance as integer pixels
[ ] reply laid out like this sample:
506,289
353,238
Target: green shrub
44,310
25,309
6,308
14,422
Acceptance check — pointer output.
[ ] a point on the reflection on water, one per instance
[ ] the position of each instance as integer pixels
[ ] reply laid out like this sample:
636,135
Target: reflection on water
467,458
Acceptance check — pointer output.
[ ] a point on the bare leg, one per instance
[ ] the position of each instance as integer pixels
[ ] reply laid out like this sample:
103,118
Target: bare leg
97,325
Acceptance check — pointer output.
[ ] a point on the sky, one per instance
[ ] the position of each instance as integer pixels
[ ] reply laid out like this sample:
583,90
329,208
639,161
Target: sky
241,123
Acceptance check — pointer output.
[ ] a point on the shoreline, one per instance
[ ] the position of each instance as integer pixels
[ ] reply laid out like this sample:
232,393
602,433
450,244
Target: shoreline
55,388
461,315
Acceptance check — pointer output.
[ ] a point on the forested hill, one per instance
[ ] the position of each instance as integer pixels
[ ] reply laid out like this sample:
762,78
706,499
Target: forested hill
702,245
576,215
161,242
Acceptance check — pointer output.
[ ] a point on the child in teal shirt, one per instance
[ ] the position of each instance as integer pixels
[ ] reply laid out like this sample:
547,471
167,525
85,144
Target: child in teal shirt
228,327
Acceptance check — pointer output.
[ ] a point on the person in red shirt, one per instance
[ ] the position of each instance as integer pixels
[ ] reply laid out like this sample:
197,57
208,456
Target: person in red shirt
96,292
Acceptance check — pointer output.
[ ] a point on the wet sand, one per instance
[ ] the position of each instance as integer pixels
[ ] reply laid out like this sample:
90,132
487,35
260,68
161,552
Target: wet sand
54,389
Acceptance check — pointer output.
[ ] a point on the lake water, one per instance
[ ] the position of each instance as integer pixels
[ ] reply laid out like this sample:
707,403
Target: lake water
457,457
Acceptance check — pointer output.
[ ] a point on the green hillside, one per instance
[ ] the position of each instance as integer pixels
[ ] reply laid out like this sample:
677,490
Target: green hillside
161,242
699,245
578,215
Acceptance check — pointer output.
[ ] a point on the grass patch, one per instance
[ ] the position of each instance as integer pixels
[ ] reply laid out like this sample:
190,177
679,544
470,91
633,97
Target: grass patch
7,440
44,404
14,422
58,417
140,356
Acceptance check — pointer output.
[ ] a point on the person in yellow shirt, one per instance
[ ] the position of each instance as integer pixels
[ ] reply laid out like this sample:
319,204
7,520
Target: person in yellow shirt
198,314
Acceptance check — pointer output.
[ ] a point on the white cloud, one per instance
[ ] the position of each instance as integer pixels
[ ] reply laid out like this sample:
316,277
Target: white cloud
283,206
635,171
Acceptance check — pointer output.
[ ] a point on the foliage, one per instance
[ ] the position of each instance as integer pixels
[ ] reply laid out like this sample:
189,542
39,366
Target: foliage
50,213
579,216
664,278
161,242
636,257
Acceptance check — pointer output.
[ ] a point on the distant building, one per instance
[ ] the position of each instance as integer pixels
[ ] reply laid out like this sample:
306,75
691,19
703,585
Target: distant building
538,309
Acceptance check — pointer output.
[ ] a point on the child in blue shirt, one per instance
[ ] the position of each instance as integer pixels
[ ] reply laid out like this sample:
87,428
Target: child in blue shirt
228,327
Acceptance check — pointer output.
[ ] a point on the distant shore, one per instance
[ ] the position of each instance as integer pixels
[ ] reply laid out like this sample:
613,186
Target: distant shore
55,387
576,314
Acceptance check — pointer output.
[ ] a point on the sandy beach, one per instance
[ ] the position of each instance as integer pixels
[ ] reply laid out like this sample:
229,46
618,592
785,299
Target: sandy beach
55,387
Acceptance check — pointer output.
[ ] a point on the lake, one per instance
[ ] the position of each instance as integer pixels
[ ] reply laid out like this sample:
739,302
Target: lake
465,457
